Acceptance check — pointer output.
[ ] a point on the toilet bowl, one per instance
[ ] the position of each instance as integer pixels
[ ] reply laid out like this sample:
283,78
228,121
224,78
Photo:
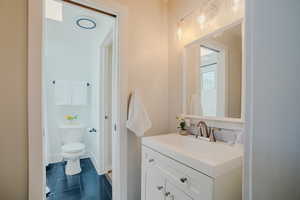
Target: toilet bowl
72,148
71,152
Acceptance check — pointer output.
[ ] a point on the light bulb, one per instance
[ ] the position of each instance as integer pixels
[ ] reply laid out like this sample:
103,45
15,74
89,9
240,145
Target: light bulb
201,19
179,33
235,6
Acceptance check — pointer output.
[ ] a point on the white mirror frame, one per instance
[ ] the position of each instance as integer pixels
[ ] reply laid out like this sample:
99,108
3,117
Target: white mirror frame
221,121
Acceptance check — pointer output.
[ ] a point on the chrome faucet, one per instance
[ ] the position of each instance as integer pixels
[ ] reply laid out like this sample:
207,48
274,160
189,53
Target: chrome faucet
203,129
206,132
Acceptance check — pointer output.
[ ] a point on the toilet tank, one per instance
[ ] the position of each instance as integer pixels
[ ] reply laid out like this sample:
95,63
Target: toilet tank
72,133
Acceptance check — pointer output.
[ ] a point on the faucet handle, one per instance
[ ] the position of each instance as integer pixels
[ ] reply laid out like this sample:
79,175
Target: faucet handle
203,129
212,137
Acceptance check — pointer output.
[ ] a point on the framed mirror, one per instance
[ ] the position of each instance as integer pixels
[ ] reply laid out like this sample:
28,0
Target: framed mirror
213,75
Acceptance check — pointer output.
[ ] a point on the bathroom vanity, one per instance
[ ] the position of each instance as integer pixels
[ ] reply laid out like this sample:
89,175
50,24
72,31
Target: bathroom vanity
176,167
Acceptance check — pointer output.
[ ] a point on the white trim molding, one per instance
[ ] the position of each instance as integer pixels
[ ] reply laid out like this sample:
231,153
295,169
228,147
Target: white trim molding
221,122
248,32
36,171
95,162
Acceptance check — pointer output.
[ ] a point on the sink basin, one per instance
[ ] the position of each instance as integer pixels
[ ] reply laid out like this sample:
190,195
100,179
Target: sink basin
212,159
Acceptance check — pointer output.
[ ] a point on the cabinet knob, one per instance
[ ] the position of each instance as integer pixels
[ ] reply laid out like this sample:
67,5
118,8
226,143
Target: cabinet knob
183,180
167,194
151,160
160,187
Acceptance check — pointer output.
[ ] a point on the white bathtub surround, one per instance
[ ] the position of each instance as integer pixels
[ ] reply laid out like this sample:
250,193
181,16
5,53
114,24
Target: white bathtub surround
138,119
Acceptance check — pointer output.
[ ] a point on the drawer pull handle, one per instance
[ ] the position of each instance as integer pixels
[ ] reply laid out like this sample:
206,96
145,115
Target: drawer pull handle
171,197
151,160
167,194
183,180
160,188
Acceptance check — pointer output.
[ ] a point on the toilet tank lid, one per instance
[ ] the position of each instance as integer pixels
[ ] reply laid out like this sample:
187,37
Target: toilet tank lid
71,126
73,147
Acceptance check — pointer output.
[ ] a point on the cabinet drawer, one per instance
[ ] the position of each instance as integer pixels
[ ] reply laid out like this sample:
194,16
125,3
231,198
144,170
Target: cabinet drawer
192,182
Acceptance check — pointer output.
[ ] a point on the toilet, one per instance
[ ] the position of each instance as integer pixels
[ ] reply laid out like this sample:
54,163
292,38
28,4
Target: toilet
72,148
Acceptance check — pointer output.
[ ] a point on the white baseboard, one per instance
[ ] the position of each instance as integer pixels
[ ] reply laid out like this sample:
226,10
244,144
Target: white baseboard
56,158
96,164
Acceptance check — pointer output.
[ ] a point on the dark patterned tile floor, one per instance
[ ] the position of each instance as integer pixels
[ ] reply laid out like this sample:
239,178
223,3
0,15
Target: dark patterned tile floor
87,185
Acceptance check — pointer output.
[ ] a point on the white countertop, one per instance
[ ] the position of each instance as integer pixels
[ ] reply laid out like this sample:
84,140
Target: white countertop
210,158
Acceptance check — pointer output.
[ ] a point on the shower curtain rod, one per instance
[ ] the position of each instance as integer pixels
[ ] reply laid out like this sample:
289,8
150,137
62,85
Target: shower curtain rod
90,8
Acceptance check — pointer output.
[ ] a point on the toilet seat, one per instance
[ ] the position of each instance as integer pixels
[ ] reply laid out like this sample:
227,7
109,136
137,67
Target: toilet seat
73,148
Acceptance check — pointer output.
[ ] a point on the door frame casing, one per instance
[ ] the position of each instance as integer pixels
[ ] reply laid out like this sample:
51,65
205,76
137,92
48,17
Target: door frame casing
104,51
36,171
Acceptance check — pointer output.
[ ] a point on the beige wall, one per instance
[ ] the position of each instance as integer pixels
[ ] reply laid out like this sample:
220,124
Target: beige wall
13,134
191,31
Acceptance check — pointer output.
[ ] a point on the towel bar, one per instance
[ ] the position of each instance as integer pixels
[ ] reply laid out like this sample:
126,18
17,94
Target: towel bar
87,84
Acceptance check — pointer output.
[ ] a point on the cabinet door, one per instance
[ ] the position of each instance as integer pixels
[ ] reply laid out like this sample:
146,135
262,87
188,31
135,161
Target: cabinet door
154,184
174,193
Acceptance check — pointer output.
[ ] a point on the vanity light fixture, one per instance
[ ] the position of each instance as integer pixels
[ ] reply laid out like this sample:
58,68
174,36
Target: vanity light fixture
179,30
209,10
179,33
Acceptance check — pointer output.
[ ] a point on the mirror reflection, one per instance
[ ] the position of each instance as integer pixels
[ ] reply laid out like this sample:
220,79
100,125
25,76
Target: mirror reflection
213,75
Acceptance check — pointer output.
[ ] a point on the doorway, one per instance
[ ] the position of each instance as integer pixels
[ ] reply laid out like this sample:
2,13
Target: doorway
107,64
78,115
36,172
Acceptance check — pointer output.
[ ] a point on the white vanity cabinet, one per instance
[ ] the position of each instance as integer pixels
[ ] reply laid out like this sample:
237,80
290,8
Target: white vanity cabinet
164,177
175,193
158,187
155,186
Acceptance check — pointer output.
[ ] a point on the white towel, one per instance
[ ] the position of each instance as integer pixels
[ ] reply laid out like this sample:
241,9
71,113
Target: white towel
79,93
138,119
62,93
